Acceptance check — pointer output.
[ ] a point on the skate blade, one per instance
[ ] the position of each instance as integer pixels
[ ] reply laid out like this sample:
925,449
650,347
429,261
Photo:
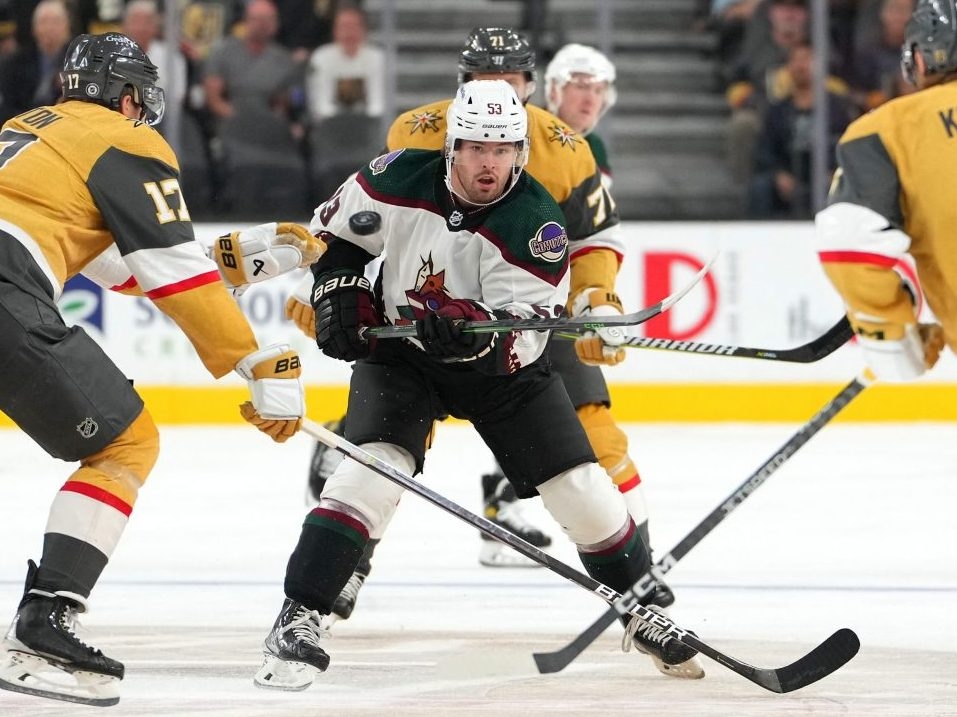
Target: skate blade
33,675
276,674
687,670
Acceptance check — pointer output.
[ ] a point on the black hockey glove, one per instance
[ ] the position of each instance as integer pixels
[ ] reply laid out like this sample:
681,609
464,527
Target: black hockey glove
442,336
343,302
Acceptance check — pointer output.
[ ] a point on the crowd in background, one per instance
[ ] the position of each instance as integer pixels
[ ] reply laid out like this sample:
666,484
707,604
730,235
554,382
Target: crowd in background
271,91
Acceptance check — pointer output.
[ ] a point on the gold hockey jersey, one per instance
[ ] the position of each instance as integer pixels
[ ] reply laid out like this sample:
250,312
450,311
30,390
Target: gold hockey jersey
892,195
77,177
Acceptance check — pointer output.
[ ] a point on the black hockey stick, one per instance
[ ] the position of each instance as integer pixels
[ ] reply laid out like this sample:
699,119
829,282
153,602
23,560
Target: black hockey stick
538,323
558,660
824,659
815,350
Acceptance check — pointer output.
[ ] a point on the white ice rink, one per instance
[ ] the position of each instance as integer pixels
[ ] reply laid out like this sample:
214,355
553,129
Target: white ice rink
857,530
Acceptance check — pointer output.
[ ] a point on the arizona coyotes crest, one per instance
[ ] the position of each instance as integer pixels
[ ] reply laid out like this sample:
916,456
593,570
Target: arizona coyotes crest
424,122
563,135
429,293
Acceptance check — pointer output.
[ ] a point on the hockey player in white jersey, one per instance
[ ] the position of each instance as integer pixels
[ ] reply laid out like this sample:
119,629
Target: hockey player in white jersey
464,234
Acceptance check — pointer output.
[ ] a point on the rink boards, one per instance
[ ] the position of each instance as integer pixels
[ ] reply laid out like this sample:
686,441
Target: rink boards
766,290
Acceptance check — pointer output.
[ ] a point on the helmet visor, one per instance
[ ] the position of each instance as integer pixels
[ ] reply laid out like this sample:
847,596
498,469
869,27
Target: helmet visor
154,104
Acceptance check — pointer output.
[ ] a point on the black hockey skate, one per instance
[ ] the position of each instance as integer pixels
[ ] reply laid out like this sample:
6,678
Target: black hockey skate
346,602
41,654
503,507
292,657
325,460
671,657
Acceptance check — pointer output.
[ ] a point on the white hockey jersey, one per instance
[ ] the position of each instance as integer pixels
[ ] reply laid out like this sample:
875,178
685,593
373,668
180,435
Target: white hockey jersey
510,256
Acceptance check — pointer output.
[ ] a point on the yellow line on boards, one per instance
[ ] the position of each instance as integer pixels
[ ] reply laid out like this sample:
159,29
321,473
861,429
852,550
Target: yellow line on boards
631,403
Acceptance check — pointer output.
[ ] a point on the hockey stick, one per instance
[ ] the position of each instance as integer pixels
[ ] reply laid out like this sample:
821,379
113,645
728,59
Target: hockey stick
815,350
549,324
558,660
824,659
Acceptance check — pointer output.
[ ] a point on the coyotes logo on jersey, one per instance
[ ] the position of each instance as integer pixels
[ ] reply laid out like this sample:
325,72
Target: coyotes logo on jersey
429,293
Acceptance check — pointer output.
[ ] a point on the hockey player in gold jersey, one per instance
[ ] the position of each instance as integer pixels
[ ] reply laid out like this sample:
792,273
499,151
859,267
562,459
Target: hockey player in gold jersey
89,185
890,197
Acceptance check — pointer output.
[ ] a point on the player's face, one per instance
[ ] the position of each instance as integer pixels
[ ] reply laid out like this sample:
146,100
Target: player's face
582,100
481,170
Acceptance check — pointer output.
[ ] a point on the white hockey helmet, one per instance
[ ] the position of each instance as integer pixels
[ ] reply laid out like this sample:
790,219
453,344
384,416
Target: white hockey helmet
574,59
486,111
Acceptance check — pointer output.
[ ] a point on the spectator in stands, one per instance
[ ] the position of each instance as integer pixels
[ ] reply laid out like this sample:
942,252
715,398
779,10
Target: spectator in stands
305,25
728,19
253,71
346,75
877,76
781,184
142,22
30,76
756,78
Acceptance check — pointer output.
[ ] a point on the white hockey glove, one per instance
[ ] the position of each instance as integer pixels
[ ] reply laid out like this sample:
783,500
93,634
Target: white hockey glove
278,397
601,347
263,252
896,353
299,306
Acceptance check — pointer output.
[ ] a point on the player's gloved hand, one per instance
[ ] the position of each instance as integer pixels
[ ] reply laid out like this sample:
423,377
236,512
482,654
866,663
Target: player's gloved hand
278,398
601,347
442,336
343,303
263,252
298,308
896,352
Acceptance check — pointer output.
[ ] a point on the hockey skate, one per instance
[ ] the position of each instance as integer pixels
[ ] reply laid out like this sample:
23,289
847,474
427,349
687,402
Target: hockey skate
292,657
324,460
503,508
42,656
670,656
346,602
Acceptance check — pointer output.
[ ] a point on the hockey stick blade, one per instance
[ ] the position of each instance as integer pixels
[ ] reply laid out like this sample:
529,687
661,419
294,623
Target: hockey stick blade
815,350
558,660
823,660
572,323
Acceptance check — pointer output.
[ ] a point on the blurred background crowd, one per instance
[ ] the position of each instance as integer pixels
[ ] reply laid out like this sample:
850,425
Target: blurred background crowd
276,101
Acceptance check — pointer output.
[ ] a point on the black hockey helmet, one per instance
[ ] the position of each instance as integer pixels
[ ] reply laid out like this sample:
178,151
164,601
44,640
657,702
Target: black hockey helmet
97,68
931,31
496,49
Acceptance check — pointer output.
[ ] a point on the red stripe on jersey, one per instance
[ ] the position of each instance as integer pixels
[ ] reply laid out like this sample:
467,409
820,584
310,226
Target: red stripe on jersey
98,494
633,482
185,285
128,284
857,257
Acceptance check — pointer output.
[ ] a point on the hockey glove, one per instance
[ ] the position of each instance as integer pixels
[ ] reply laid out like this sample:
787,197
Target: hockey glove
343,303
298,308
442,336
278,399
263,252
603,346
898,353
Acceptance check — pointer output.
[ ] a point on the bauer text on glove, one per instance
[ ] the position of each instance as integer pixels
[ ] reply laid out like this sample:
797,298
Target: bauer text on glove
343,303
